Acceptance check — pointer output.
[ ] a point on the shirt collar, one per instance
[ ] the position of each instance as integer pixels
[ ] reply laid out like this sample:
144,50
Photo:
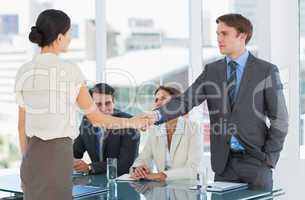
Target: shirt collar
241,60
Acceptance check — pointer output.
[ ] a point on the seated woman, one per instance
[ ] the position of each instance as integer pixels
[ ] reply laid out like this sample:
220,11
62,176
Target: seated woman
176,148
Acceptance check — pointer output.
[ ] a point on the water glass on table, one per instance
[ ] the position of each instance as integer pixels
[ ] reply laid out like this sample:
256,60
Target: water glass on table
111,169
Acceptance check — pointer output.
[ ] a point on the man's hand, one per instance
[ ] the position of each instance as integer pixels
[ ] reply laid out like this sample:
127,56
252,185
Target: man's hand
268,162
140,172
80,166
149,119
156,176
141,122
151,115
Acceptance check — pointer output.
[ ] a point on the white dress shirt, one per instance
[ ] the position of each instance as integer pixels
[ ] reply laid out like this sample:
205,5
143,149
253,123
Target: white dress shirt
47,87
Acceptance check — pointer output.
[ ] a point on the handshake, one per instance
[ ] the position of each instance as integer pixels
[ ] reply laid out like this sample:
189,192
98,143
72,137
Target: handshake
143,122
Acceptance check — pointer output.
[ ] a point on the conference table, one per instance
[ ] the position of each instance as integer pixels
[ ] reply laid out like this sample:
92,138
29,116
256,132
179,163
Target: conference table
144,190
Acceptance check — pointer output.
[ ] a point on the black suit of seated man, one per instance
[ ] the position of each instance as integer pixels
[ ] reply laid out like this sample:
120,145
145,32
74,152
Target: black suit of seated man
102,143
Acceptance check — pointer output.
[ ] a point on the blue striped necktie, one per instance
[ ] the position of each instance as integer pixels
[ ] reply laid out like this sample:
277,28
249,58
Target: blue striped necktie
231,82
99,142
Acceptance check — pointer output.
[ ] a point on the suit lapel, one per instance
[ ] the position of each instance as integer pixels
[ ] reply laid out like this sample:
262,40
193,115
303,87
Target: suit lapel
246,77
223,85
105,140
177,137
161,146
93,140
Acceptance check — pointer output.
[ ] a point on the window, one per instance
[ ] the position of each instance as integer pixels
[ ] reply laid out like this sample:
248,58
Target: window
9,24
302,78
147,46
15,49
74,31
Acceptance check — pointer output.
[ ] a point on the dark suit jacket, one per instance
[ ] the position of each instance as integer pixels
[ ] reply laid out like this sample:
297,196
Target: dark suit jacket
122,144
260,97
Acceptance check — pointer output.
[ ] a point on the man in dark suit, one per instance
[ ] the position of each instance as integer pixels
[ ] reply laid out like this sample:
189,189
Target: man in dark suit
248,114
105,143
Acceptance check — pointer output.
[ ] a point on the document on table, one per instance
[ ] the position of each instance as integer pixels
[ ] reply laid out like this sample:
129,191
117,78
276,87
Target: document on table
219,186
125,177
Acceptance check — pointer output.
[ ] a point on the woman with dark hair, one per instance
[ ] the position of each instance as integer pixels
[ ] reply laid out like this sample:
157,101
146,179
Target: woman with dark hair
49,90
176,147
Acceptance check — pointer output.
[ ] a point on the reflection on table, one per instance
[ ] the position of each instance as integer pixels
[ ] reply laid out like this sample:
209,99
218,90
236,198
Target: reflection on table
176,190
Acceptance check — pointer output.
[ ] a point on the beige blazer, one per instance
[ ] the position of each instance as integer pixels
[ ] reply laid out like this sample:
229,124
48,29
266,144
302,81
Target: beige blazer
186,152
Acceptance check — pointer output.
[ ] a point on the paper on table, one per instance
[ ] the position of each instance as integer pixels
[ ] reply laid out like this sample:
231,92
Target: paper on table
219,186
125,177
195,187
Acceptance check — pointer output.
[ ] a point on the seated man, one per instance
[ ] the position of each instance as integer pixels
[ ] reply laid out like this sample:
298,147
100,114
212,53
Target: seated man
102,143
176,148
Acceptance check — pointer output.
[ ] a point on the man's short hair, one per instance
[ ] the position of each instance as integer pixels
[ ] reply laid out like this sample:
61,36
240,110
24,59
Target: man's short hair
102,88
239,22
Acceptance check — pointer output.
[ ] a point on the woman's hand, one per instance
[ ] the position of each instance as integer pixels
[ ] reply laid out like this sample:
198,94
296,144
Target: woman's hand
141,122
140,172
156,177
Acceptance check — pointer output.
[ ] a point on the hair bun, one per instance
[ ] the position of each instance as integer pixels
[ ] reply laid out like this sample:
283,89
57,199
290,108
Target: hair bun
35,36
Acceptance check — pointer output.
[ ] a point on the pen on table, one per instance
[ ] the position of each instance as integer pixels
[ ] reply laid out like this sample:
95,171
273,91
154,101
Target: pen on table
198,181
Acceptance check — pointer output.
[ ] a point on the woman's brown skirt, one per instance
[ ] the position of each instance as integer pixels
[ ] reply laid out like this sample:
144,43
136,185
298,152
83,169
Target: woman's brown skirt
46,169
